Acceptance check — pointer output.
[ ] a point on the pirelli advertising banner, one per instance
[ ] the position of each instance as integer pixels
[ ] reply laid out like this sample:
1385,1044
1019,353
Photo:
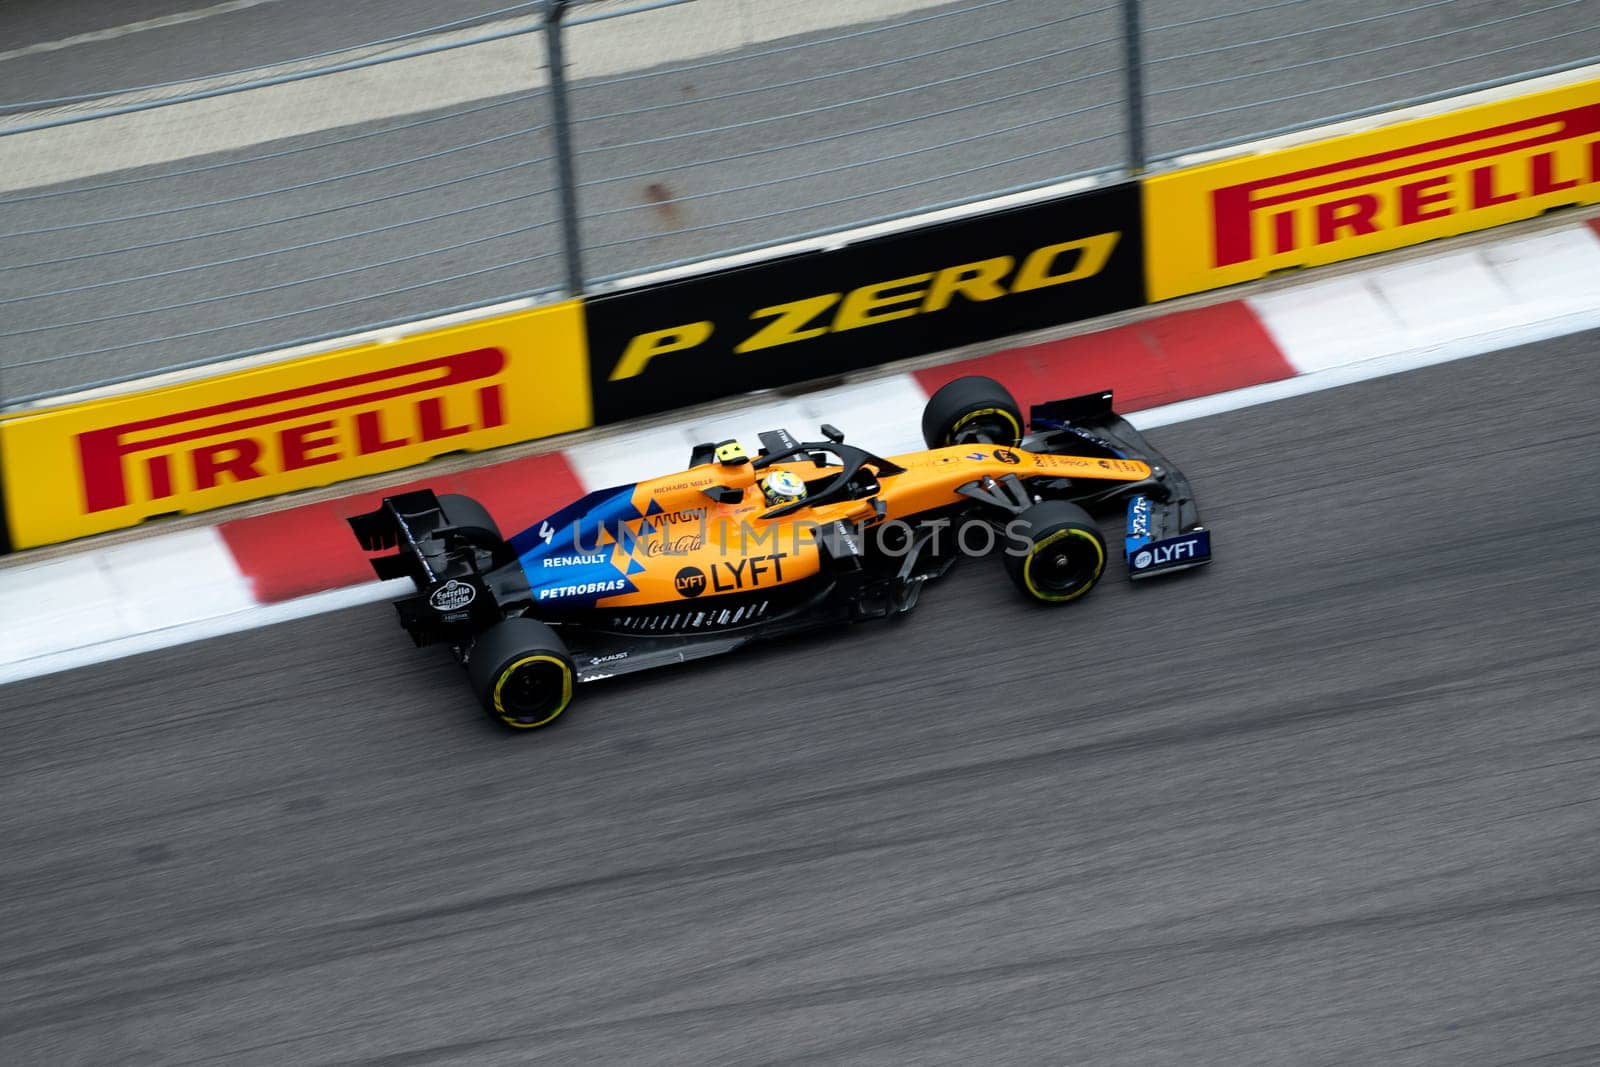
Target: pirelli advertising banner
90,467
1373,191
886,298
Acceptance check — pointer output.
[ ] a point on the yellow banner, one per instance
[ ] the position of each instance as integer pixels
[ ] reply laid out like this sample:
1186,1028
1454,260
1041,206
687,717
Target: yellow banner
1373,191
106,464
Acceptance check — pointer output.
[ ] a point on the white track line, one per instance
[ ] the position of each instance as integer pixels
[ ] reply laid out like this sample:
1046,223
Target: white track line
204,629
1406,316
1487,291
1379,367
111,33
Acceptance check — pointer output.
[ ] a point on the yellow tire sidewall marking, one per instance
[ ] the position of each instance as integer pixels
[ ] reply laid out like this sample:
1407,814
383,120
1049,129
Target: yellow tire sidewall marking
1002,412
507,672
1061,598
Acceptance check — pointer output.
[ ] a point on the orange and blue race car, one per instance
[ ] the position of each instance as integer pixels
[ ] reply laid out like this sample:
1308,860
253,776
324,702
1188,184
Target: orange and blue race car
804,534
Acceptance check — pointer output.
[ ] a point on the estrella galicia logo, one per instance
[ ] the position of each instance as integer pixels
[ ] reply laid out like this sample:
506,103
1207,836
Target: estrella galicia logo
690,581
452,596
1005,455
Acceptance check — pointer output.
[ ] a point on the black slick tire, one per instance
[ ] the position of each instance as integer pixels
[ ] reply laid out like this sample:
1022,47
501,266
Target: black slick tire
970,405
521,673
472,518
1065,555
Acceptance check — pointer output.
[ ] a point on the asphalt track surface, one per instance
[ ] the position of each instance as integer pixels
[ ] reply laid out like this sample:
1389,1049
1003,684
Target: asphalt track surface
323,234
1331,800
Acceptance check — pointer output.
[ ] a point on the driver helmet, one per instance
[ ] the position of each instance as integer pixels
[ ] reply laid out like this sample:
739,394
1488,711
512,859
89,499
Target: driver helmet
783,487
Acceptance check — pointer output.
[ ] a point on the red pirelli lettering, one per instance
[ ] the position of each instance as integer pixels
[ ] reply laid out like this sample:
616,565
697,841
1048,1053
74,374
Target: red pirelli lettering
1476,155
192,435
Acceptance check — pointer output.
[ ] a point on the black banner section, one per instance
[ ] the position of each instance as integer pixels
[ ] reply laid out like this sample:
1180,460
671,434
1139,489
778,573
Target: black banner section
818,314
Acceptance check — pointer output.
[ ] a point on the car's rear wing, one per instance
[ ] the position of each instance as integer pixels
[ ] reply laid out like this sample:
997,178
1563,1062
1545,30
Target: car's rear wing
445,563
414,523
1163,530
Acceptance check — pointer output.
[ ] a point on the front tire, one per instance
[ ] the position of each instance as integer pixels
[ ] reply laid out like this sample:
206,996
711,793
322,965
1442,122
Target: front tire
967,407
1065,556
521,673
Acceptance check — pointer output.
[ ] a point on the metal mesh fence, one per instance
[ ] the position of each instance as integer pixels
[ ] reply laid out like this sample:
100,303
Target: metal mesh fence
413,174
268,248
1214,77
839,127
275,243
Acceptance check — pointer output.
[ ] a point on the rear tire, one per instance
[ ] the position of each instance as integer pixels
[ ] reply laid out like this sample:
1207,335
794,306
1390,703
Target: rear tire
521,673
472,519
1066,553
968,405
